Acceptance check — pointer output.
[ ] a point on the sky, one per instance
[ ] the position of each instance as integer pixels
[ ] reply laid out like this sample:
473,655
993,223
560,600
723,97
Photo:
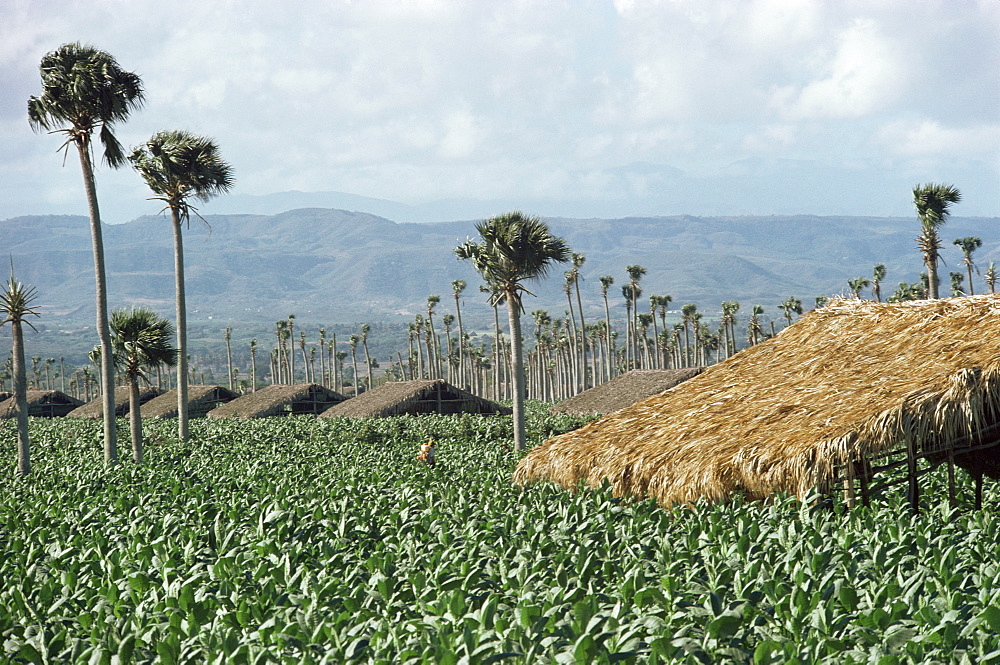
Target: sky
585,108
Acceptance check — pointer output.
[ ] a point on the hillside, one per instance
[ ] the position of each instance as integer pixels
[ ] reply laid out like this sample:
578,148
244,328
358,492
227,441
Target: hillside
337,266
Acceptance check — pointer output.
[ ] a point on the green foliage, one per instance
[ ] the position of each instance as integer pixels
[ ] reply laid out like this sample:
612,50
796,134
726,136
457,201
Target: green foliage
300,540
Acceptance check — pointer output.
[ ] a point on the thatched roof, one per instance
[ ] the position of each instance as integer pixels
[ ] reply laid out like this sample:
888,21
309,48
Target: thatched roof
201,400
280,400
624,390
42,404
95,408
851,381
413,397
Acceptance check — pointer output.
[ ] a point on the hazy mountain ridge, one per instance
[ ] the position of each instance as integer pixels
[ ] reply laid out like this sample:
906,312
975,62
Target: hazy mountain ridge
348,266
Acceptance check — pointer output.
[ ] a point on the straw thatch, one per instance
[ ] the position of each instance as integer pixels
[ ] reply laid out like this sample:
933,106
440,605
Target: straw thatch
95,408
42,404
201,400
280,400
845,385
624,390
413,397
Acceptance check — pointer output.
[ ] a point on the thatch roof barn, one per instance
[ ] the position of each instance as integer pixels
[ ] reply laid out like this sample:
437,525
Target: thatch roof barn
847,387
42,404
624,390
280,400
201,400
95,408
413,397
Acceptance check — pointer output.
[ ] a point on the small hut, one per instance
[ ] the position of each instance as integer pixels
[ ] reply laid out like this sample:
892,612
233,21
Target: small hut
94,409
413,397
201,400
280,400
848,392
42,404
624,390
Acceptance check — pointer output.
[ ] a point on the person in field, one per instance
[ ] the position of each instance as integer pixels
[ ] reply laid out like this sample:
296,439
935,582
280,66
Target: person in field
426,454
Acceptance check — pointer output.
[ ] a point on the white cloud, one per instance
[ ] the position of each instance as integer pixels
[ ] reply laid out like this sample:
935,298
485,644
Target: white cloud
925,138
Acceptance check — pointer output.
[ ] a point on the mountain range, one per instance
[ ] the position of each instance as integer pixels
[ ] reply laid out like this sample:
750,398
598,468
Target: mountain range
330,265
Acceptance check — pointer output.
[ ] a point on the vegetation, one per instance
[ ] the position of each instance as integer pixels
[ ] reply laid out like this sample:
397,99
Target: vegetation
306,541
85,88
15,306
933,203
179,166
514,248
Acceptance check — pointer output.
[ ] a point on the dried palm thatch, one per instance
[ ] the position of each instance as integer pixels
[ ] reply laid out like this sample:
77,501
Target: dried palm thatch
413,397
847,384
42,404
94,409
280,400
624,390
201,400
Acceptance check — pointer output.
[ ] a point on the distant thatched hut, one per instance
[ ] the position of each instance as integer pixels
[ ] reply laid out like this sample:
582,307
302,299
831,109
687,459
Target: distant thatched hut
95,408
201,400
849,387
413,397
280,400
624,390
42,404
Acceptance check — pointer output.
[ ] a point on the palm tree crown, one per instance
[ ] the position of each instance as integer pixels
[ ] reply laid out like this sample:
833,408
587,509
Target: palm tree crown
514,248
141,340
933,202
178,165
85,88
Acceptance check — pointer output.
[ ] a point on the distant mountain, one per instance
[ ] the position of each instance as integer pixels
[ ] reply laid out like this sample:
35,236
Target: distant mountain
330,265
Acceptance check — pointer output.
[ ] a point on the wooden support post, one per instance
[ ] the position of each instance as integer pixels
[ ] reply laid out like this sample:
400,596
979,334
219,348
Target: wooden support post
865,474
911,465
849,473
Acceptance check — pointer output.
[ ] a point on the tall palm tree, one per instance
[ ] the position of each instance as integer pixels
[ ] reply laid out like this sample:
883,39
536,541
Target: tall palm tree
606,282
323,381
141,342
755,331
365,328
457,286
933,202
354,339
968,246
84,89
514,248
433,361
178,166
253,365
878,274
578,261
229,355
635,274
291,354
15,305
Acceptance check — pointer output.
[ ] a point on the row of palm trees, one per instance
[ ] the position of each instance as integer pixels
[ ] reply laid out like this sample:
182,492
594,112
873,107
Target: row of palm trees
84,90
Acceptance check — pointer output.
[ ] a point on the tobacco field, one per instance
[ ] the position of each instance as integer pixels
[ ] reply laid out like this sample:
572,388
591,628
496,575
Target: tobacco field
320,541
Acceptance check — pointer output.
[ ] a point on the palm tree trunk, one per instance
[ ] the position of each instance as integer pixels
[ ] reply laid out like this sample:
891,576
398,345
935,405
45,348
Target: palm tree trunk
463,381
182,357
21,400
103,328
135,419
517,367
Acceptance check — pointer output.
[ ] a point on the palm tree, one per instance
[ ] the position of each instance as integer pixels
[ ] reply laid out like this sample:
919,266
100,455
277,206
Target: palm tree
956,284
990,277
514,248
354,339
253,365
729,309
933,202
178,166
635,274
789,307
578,261
141,342
968,246
229,355
433,361
755,331
878,274
457,286
291,353
15,305
323,381
856,284
86,89
365,328
606,282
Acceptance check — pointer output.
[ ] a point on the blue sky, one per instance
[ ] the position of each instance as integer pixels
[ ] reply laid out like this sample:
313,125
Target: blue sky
704,107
